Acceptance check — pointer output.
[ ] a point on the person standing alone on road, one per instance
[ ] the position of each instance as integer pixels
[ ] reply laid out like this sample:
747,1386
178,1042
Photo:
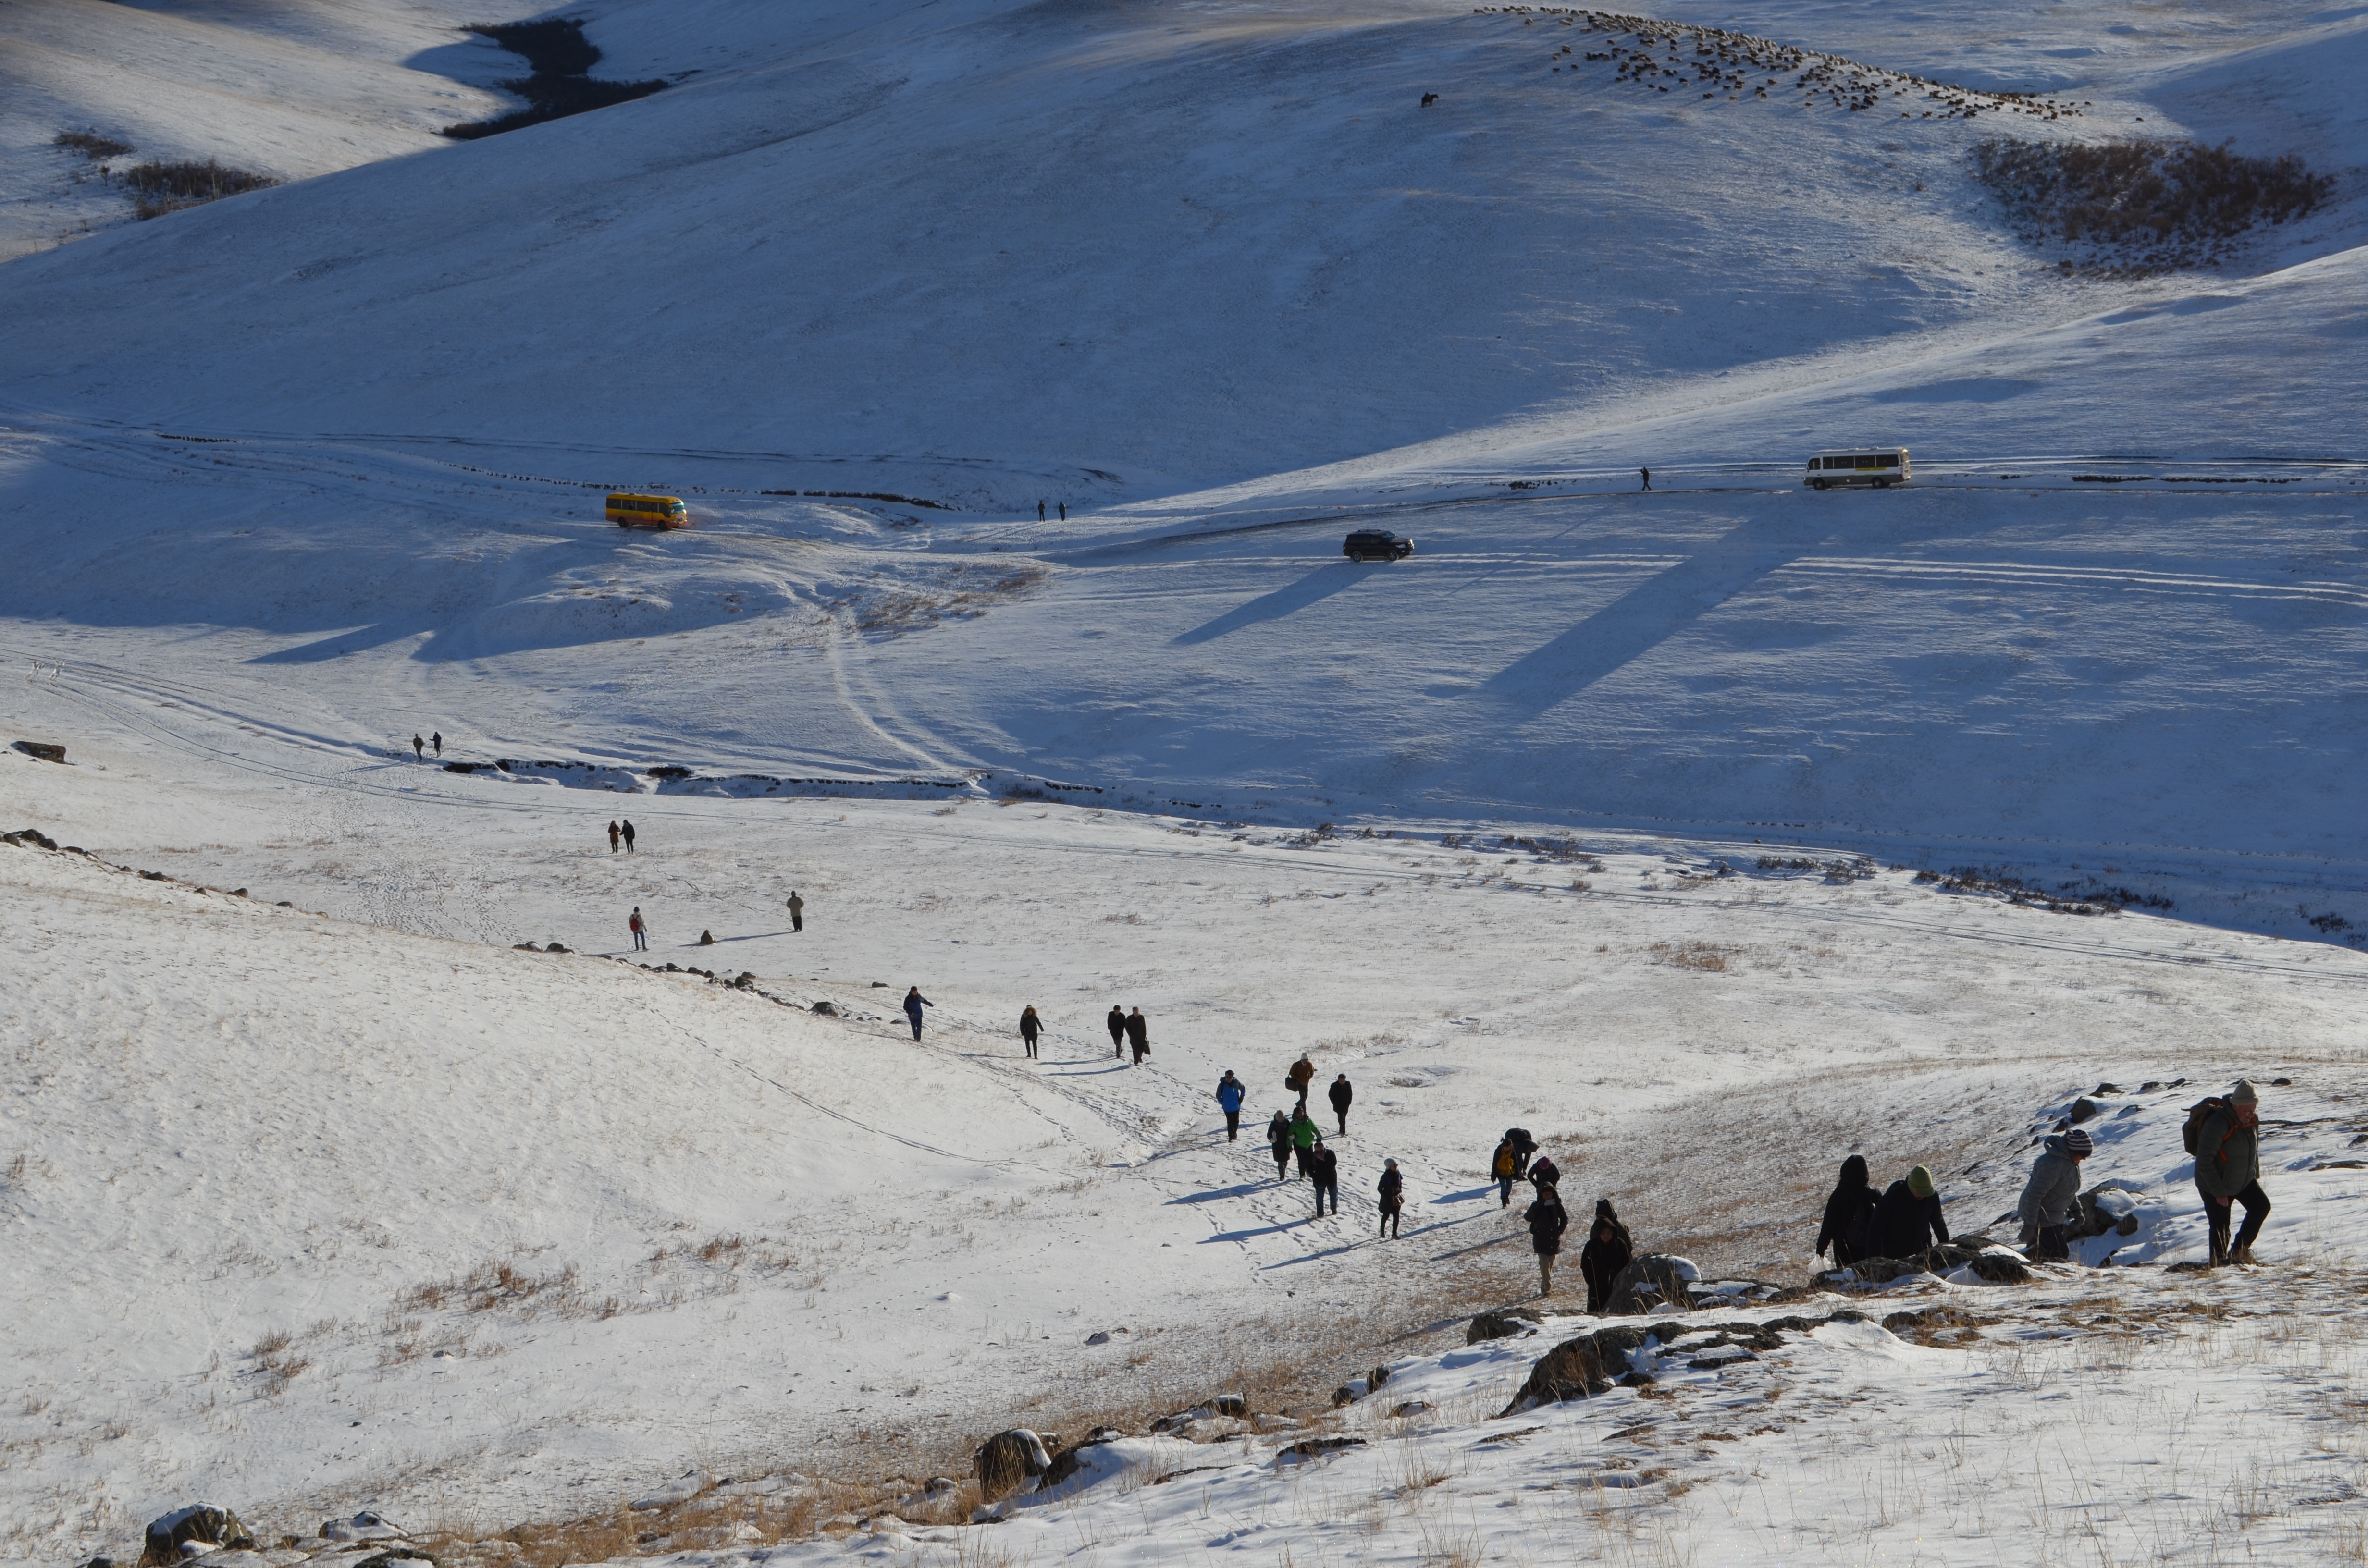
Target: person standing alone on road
1277,1139
1138,1035
798,916
1030,1028
1324,1165
1229,1096
1341,1093
1117,1021
628,836
613,837
913,1002
1391,1187
1547,1223
641,932
2228,1170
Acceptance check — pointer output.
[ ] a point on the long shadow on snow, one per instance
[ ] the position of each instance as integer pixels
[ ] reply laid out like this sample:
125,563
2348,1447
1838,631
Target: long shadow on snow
1655,610
1316,586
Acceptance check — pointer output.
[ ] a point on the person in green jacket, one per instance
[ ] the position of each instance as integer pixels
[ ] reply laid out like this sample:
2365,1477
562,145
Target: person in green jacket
2228,1170
1302,1136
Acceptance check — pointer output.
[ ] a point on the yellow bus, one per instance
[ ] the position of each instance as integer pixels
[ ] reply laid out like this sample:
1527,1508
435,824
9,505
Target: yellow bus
647,511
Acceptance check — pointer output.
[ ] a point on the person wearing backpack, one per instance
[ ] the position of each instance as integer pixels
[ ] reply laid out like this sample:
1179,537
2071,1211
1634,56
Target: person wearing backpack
1504,1167
2224,1137
2051,1198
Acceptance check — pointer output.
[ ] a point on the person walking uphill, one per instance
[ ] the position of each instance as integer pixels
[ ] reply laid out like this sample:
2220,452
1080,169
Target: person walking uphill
1547,1223
913,1002
641,932
612,838
1303,1135
1340,1093
1117,1022
1324,1168
2051,1198
419,748
1278,1140
2228,1170
1906,1218
1138,1035
1301,1075
1391,1191
1607,1252
1229,1099
1030,1025
1501,1167
1847,1210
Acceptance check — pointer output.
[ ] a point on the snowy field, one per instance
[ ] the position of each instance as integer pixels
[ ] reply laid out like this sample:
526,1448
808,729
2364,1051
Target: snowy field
1711,833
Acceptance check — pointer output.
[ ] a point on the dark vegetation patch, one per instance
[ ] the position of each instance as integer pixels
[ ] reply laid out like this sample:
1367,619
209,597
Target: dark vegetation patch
2138,207
91,144
562,58
159,187
2089,897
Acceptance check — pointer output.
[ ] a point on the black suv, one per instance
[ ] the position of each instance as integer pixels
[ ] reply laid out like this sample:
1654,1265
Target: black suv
1376,544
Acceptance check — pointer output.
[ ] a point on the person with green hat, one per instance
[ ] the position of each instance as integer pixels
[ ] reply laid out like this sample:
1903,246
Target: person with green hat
2228,1170
1906,1218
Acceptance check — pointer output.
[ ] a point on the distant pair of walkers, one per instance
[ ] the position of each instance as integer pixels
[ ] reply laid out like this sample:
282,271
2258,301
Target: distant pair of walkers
1129,1029
1608,1250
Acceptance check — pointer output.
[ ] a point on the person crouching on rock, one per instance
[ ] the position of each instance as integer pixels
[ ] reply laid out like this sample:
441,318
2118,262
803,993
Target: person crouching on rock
2051,1198
1607,1252
1906,1218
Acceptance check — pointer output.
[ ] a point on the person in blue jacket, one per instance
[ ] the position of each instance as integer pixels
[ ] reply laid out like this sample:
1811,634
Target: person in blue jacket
913,1002
1229,1095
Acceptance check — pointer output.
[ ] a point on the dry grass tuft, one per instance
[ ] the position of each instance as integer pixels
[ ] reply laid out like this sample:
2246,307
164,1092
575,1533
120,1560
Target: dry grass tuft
2144,204
1709,957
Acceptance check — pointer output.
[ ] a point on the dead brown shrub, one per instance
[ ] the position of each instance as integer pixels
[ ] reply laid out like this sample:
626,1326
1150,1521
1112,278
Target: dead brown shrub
2155,204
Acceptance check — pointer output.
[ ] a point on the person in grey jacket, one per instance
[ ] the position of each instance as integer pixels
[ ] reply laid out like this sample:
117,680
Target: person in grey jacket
2051,1198
2228,1170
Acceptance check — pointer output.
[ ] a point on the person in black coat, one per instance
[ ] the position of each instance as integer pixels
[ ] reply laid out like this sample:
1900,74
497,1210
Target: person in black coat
1547,1223
1906,1218
1277,1138
1341,1095
1545,1173
1138,1035
1324,1166
1117,1021
1391,1187
1607,1252
1848,1212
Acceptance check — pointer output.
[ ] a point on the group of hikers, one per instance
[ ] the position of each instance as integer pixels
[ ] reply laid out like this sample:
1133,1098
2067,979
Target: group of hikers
2221,1131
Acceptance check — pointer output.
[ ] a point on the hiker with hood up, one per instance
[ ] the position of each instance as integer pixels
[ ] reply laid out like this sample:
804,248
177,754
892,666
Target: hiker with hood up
913,1002
1906,1218
1607,1252
1392,1188
1848,1211
1340,1093
1547,1221
1544,1172
1229,1099
1303,1134
1503,1166
2051,1198
1117,1022
1030,1025
2228,1170
1277,1139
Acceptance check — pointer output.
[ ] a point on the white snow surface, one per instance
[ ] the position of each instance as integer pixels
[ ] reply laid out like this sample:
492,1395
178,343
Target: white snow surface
1601,816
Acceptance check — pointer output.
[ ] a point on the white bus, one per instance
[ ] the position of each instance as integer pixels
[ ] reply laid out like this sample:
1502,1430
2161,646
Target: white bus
1879,466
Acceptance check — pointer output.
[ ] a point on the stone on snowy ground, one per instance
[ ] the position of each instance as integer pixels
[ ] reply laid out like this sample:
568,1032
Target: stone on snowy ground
1315,1447
2083,1109
1411,1407
1376,1378
43,750
1655,1279
362,1527
1099,1337
2108,1206
1501,1324
200,1522
1578,1369
1993,1265
1012,1461
682,1489
707,939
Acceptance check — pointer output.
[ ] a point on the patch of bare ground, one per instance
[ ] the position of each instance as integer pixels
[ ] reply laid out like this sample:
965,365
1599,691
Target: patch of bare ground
959,593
